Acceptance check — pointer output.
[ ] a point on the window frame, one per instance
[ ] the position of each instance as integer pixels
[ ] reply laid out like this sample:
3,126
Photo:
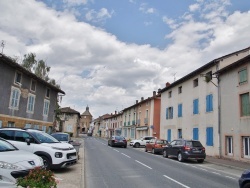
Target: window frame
33,84
46,108
14,105
180,110
47,93
29,108
244,110
229,145
244,146
195,106
209,136
180,90
16,80
196,82
246,75
209,103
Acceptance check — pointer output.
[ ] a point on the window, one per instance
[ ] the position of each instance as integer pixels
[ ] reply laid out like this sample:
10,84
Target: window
243,76
245,105
180,89
36,127
31,103
209,103
14,99
47,92
11,124
196,106
195,133
179,110
169,94
169,113
28,125
33,85
169,135
46,108
210,136
18,78
208,76
195,82
229,144
179,133
1,123
125,132
246,147
132,132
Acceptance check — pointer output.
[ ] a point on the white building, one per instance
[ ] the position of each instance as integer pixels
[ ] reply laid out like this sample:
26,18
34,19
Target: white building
235,110
189,106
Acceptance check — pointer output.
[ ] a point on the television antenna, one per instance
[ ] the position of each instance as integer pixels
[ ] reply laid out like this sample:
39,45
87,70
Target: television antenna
2,45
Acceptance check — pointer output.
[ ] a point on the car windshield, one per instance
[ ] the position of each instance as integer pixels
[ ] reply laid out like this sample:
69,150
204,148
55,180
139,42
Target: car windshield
44,137
6,146
119,138
61,137
194,144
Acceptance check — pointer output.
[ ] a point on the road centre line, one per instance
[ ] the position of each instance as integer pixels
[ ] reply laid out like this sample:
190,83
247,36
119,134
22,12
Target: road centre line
143,164
230,177
116,150
216,173
126,155
217,170
176,181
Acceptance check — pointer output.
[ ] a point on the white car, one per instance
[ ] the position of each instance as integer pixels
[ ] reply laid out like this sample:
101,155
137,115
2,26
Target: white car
141,142
15,163
54,153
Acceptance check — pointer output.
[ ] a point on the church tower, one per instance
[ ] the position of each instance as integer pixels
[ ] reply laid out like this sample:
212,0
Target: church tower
86,119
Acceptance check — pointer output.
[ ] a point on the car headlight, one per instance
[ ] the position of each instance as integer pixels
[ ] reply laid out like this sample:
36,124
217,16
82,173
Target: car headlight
6,165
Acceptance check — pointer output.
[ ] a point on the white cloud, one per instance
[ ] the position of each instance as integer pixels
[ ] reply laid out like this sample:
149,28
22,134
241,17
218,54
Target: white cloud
100,16
94,68
143,8
71,3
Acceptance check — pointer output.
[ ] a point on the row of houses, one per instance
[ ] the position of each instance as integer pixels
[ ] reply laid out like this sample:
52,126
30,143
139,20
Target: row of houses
27,101
210,104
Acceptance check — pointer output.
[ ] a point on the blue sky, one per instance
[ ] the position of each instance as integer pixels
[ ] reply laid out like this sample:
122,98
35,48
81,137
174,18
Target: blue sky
109,53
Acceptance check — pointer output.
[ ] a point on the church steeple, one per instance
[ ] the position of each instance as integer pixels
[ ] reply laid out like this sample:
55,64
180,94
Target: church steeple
87,108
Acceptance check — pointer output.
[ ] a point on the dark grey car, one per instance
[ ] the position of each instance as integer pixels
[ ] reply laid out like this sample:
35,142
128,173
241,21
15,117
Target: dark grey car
185,149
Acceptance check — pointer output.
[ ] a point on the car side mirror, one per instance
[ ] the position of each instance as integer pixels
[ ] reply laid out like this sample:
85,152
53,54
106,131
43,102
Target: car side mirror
27,140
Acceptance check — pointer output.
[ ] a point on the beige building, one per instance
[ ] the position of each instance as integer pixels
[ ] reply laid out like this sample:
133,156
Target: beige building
70,120
86,119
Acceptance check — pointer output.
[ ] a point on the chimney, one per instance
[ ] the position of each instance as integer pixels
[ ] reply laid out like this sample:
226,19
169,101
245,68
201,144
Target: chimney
142,98
115,112
136,101
168,84
154,93
159,90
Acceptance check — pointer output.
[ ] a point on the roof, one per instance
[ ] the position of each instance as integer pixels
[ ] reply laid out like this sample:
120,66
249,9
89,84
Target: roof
68,110
234,65
86,113
12,63
201,69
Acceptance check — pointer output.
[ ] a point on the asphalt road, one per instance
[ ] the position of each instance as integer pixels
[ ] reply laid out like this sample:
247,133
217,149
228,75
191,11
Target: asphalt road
107,167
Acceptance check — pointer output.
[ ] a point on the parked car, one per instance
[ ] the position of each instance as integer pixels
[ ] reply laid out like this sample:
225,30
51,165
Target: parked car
185,149
117,141
140,142
244,181
62,137
15,163
155,145
54,153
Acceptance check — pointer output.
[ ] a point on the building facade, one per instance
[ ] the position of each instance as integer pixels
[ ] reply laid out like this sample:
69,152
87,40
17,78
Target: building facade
27,101
85,121
234,92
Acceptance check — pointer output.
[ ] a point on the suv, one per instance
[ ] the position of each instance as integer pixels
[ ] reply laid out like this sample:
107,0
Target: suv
185,149
141,142
54,153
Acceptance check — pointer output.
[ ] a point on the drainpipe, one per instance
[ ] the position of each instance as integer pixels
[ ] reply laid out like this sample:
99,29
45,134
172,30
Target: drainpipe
219,113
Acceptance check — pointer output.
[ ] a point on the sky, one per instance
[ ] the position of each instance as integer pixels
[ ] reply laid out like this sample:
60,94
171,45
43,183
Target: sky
106,54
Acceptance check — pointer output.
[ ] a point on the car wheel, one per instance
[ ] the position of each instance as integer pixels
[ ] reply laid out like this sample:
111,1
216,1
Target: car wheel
125,146
247,185
153,151
180,158
46,162
200,160
111,144
137,145
165,155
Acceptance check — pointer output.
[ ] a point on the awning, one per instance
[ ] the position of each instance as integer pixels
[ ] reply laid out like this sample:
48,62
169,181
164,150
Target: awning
142,128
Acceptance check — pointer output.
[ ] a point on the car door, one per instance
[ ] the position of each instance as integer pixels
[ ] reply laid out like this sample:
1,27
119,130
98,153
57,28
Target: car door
150,144
170,148
176,147
20,141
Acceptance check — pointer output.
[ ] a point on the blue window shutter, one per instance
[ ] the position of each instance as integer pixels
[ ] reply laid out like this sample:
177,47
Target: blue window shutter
195,134
179,112
169,135
207,139
210,138
196,106
207,103
211,102
193,106
166,113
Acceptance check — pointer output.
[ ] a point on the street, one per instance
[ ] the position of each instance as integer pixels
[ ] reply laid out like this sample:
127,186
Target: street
119,167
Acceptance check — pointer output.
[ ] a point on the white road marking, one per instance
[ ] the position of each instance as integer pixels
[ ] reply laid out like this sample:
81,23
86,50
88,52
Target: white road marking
230,177
126,155
176,181
116,150
216,173
143,164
